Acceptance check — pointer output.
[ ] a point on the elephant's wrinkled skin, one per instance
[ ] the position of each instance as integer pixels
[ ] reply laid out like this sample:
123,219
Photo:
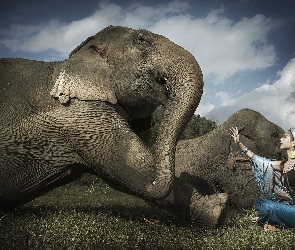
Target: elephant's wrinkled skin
214,163
58,118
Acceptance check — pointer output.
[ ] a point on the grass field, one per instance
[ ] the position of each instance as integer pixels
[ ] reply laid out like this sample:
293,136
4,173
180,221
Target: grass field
88,214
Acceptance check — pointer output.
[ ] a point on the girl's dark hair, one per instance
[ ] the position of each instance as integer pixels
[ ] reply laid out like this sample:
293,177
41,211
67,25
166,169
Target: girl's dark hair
293,139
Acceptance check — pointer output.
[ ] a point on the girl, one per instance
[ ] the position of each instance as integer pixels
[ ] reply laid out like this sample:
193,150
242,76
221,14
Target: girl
276,180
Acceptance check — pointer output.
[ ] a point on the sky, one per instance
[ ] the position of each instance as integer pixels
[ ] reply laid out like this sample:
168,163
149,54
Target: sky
246,48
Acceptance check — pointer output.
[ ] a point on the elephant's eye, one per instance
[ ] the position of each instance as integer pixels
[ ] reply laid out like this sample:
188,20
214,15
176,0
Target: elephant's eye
98,50
93,47
163,82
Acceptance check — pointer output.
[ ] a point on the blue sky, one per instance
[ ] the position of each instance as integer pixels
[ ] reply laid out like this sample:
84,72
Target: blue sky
246,48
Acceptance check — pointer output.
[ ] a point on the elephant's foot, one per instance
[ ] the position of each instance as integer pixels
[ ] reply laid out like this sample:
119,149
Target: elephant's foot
203,211
207,211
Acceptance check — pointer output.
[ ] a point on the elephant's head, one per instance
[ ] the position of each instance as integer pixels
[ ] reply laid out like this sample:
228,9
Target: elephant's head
138,70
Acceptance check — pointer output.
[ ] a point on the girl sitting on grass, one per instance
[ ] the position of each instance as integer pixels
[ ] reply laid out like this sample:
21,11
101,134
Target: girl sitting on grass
276,180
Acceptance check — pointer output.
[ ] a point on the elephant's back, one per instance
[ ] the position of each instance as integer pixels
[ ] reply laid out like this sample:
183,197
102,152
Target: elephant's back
24,88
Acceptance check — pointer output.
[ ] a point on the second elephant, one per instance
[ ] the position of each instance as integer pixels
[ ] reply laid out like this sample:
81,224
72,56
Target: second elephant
214,163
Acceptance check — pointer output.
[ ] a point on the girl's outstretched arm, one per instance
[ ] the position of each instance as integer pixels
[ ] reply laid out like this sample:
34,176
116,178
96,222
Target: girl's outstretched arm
276,165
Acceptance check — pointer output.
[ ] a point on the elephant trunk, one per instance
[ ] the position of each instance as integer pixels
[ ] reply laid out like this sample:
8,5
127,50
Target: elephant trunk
184,83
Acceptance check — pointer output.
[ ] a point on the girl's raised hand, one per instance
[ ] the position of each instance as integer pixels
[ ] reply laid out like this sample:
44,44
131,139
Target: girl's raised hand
235,134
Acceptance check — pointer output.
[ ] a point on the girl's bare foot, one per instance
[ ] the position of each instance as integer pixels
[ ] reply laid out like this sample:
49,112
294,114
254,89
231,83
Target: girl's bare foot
268,227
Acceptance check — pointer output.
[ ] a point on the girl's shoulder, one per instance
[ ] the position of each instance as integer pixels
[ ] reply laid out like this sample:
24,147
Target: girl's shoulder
277,165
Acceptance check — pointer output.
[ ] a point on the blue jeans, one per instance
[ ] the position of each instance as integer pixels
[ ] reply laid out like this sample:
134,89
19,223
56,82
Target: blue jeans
276,213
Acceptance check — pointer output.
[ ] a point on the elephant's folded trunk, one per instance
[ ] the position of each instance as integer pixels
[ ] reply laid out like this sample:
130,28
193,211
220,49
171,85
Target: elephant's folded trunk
184,94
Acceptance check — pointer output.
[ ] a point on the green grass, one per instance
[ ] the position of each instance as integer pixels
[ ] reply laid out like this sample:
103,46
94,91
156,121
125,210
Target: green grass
88,214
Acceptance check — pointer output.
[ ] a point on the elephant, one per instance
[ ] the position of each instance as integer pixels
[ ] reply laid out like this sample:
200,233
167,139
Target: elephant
62,118
214,163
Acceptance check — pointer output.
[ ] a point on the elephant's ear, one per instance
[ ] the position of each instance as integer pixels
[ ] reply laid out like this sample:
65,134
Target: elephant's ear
69,86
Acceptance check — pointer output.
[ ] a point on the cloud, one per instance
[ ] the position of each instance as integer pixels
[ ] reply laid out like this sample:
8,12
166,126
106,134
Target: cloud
222,47
275,101
63,37
225,98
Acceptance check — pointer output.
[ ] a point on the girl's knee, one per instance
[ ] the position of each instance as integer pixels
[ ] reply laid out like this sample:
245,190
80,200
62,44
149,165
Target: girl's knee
265,206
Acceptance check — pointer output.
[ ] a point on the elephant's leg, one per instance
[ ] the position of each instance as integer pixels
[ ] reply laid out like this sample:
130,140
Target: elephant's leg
101,136
206,211
130,162
33,160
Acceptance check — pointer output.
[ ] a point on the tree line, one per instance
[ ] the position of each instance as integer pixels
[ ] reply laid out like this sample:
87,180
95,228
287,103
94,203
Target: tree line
196,127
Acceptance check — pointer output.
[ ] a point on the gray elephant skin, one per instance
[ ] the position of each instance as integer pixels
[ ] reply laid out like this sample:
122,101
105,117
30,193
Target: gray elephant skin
214,163
59,119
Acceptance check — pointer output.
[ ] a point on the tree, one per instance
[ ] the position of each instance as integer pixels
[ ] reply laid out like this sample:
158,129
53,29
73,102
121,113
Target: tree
198,126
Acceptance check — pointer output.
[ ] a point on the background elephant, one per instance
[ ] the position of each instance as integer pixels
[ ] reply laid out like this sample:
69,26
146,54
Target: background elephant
60,118
214,163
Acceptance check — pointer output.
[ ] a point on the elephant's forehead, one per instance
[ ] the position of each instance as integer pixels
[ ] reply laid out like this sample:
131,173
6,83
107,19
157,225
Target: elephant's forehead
119,38
114,35
123,36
